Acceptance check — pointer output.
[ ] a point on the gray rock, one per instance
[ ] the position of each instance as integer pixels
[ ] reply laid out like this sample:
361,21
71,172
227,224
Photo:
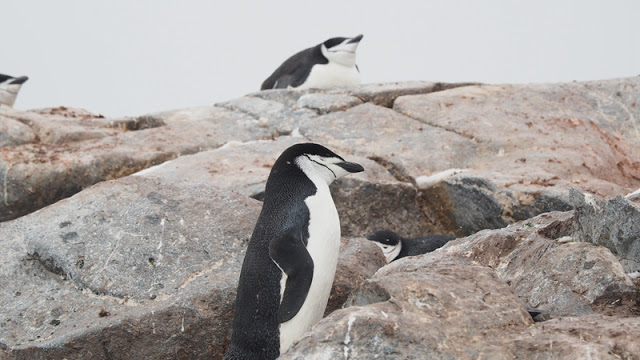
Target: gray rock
286,97
417,308
359,259
134,265
433,127
446,305
141,255
269,113
538,132
41,173
465,201
591,336
121,268
241,167
57,126
613,223
383,94
406,147
13,132
326,103
244,167
544,269
386,93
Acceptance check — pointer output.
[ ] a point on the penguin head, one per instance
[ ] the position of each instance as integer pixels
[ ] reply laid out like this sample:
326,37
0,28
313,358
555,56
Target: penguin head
9,87
388,241
316,162
341,50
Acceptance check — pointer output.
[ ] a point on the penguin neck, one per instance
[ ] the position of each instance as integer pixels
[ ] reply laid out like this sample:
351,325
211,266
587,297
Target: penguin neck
344,58
7,99
394,253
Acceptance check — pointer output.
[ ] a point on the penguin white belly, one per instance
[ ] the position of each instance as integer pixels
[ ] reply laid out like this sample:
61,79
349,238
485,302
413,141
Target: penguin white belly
323,246
8,94
331,74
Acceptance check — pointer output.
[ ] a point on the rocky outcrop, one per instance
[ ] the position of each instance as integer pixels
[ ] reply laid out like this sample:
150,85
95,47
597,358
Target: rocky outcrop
613,223
543,265
148,264
112,270
73,150
469,300
131,263
517,148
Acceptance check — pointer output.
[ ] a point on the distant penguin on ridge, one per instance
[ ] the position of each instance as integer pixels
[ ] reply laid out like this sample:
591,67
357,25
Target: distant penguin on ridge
395,247
291,259
331,63
9,88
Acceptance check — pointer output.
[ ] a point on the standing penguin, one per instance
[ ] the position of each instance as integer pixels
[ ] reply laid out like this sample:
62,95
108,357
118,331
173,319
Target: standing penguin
395,247
291,259
9,87
331,63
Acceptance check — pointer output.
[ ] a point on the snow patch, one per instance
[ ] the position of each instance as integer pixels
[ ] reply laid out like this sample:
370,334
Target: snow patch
424,181
347,336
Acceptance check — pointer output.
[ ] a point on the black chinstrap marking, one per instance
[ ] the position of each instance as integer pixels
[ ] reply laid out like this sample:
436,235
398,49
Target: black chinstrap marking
319,163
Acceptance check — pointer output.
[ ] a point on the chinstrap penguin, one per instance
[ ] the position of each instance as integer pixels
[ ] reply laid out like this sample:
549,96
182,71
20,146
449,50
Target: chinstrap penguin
331,63
395,247
291,259
9,88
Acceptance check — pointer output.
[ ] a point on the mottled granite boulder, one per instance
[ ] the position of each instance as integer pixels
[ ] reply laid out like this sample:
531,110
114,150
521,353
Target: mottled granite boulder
612,223
544,265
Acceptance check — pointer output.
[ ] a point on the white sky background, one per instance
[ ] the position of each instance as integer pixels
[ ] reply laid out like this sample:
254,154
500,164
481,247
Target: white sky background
127,58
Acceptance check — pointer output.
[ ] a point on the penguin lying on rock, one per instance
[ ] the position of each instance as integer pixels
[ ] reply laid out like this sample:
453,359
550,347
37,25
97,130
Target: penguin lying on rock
332,63
291,258
9,87
395,247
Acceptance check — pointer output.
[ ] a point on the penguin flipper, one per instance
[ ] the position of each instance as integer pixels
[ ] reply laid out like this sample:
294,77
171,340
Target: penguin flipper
283,82
291,73
291,255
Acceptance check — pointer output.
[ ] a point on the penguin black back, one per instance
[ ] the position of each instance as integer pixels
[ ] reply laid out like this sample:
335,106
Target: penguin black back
292,72
395,247
255,323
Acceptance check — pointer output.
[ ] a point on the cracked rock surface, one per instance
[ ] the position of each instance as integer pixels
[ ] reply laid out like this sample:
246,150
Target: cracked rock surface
469,300
126,235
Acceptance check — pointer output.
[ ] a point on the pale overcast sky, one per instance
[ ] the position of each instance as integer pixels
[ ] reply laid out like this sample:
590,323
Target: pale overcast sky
125,57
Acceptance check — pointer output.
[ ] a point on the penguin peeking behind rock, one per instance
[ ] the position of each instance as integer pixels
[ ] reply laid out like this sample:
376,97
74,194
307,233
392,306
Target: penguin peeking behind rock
291,259
331,63
395,247
9,88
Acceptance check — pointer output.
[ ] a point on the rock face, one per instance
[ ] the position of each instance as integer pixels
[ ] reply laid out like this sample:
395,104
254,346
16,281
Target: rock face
127,264
543,265
613,223
72,150
123,265
468,300
431,305
148,264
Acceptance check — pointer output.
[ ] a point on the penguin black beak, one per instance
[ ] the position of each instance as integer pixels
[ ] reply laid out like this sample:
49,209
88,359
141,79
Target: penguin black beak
355,39
19,80
351,167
